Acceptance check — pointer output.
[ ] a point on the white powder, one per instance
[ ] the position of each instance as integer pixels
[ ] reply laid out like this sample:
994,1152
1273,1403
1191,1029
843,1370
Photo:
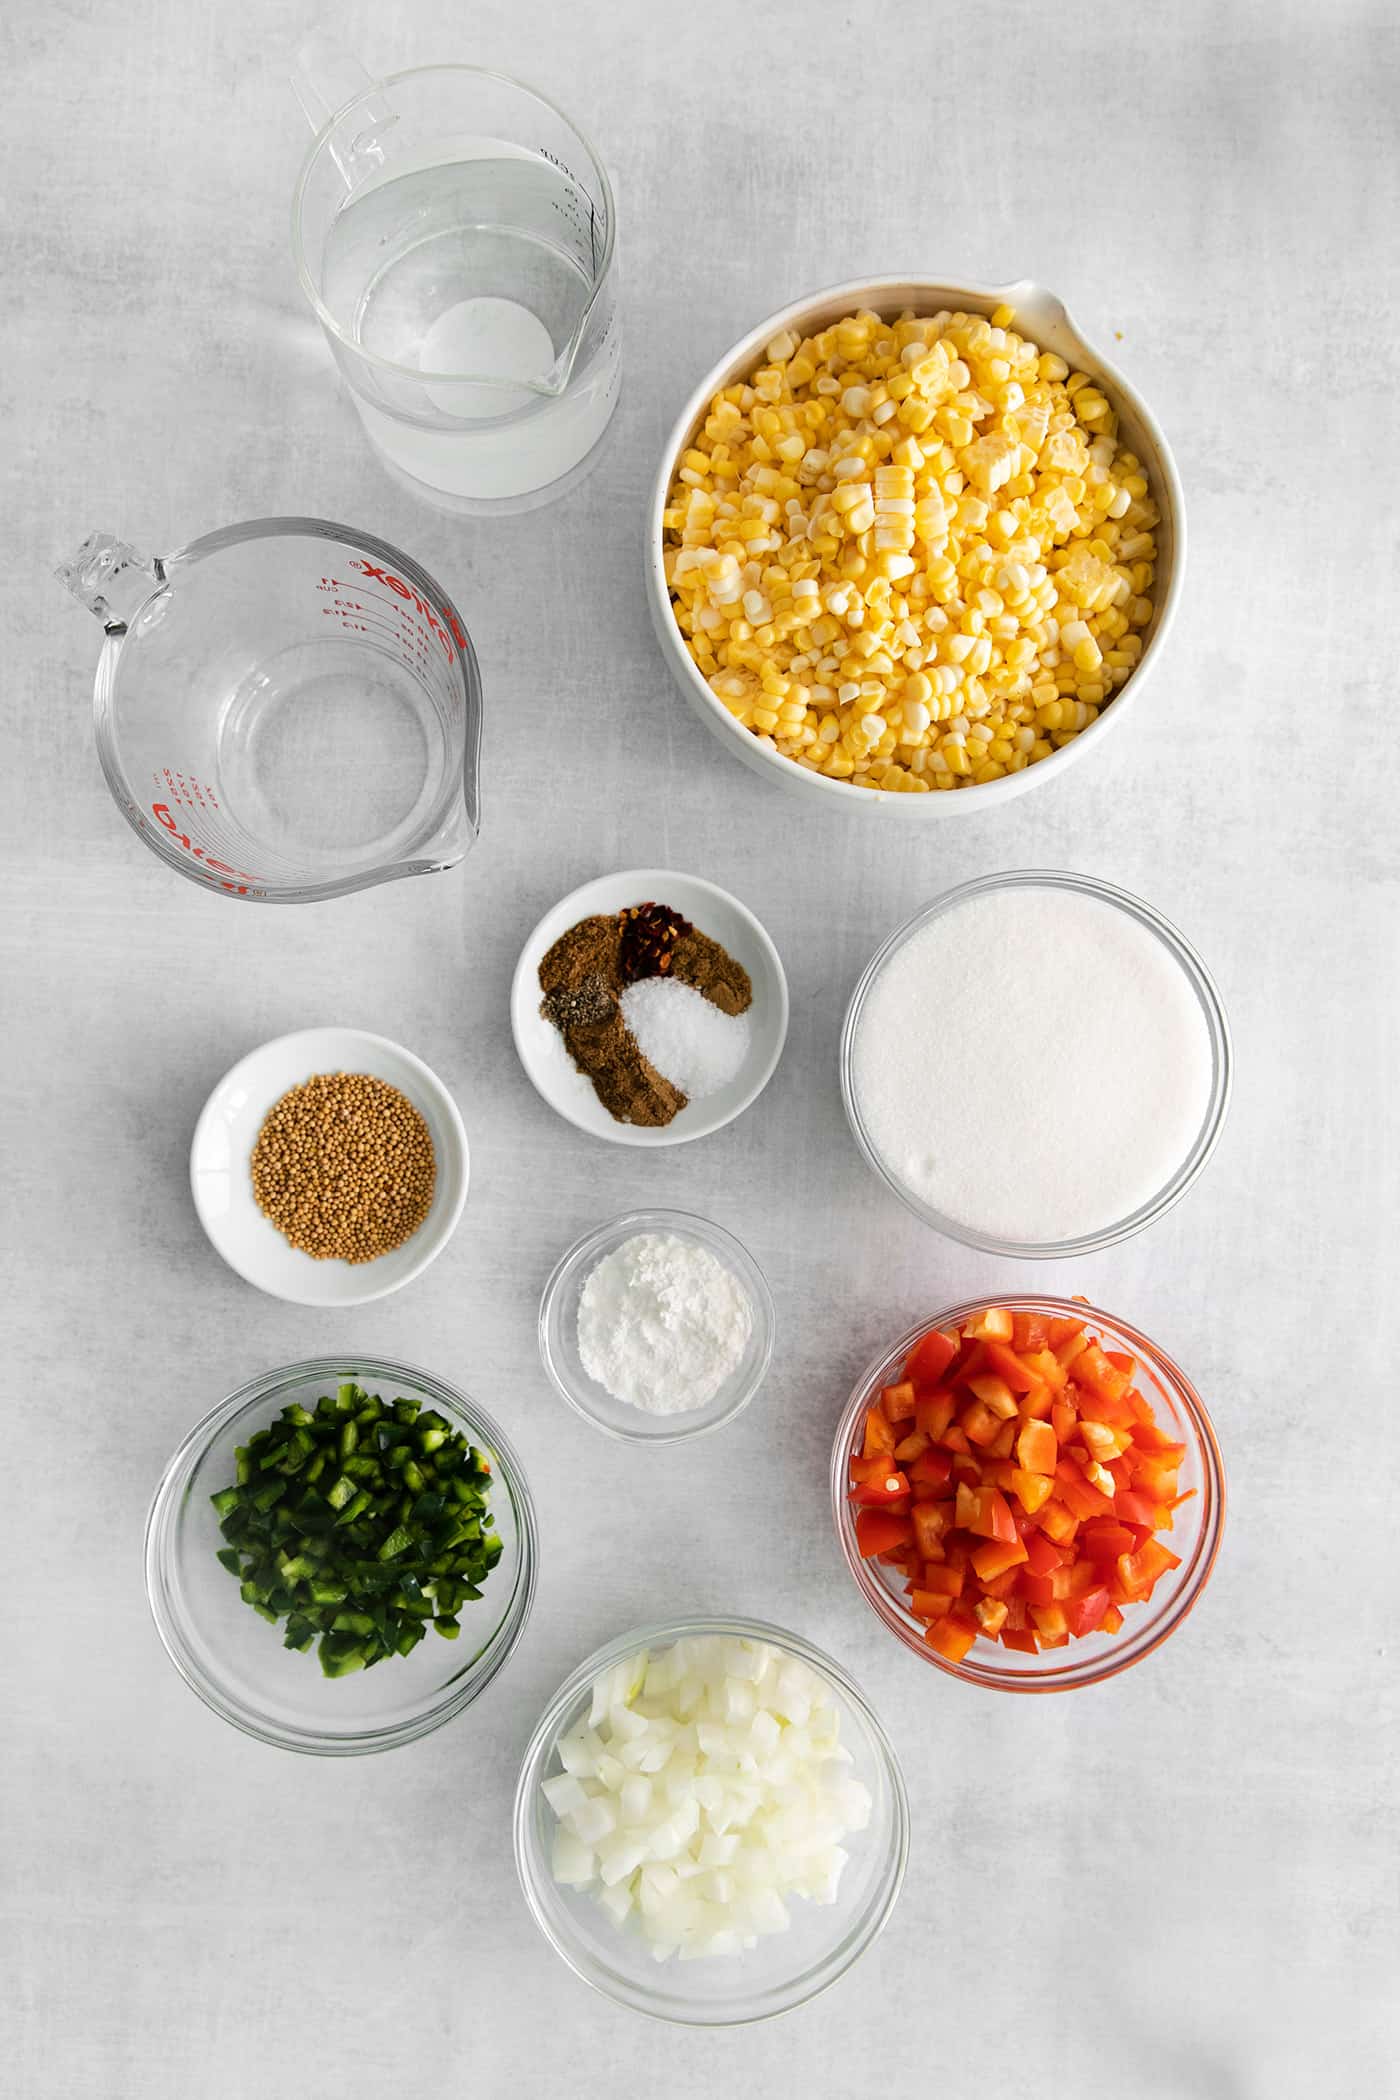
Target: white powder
662,1323
685,1035
1034,1064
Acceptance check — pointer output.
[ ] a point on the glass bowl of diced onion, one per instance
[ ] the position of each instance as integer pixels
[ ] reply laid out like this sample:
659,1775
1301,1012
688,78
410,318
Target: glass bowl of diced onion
792,1907
1194,1537
1040,317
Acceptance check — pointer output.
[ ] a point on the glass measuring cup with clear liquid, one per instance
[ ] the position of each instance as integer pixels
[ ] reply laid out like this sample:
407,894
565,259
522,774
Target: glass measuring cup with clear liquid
285,710
456,236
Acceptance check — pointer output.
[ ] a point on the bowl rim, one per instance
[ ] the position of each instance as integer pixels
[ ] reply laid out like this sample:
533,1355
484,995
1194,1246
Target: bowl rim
1060,1677
159,1545
890,291
627,1133
685,1224
532,1871
432,1085
1217,1027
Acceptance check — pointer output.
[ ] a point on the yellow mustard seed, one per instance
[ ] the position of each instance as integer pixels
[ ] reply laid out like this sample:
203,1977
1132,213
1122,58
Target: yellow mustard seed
344,1167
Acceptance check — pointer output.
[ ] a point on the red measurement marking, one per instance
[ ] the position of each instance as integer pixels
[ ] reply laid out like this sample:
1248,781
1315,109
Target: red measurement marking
161,812
443,624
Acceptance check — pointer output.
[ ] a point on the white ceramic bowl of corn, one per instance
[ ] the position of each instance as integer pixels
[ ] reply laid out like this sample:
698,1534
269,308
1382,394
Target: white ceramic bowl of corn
941,693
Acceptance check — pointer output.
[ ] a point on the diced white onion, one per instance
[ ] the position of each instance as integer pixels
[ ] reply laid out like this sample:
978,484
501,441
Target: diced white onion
707,1787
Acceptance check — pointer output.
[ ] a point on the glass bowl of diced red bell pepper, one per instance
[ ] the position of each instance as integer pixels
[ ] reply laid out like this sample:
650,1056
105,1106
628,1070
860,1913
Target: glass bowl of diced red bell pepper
1028,1492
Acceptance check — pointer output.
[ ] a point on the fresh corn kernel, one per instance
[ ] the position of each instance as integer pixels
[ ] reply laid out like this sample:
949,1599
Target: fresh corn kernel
911,553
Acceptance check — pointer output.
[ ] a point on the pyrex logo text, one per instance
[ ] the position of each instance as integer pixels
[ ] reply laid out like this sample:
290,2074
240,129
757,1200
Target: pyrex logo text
443,625
161,812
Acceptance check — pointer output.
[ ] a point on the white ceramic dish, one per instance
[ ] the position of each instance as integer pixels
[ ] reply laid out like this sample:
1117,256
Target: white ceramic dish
547,1063
1039,314
222,1184
558,1332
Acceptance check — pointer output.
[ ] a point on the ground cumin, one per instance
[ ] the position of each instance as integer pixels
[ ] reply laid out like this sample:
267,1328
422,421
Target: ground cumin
582,977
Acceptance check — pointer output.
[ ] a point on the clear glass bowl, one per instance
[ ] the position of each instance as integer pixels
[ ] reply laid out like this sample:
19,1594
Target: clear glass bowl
1196,1536
780,1973
1202,986
235,1660
559,1331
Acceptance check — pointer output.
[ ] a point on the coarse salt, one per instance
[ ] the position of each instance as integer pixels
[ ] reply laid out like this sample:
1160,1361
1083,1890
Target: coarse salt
1033,1064
662,1323
686,1036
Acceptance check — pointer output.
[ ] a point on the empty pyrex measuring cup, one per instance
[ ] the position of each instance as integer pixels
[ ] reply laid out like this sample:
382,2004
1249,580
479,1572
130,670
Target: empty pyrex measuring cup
456,236
285,710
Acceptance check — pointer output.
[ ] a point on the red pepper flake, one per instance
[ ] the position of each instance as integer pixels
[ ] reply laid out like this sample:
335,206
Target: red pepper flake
649,936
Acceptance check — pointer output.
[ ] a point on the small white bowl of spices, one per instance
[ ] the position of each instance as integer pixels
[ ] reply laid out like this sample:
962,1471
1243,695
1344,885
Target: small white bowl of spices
649,1007
329,1167
657,1326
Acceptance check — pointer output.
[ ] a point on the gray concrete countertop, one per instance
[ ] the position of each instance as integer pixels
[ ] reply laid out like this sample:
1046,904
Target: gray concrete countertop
1178,1886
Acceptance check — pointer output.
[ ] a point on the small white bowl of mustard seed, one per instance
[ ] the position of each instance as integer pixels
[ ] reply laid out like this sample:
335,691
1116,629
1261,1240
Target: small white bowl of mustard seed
329,1167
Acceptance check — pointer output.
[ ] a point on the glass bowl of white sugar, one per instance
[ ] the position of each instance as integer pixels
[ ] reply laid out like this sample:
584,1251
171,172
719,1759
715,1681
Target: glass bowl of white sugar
657,1326
1037,1064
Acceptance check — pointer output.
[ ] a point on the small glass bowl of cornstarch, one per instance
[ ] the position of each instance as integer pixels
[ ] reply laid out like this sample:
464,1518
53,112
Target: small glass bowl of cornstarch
1037,1064
637,1313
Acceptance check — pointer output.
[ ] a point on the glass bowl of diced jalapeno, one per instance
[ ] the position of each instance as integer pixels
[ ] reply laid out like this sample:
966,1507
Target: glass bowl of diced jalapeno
341,1556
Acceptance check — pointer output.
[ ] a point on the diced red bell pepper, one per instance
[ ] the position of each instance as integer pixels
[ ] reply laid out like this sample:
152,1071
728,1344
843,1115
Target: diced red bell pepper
930,1521
1032,1490
1018,1482
1131,1507
1104,1539
1050,1623
1103,1442
1057,1523
932,1468
1063,1419
877,1530
1004,1441
1093,1369
1041,1554
1140,1570
1079,1498
1147,1436
993,1518
1105,1407
994,1393
1084,1613
1037,1448
930,1356
1048,1368
950,1639
1005,1364
993,1558
1020,1638
897,1401
881,1489
979,1425
934,1410
879,1435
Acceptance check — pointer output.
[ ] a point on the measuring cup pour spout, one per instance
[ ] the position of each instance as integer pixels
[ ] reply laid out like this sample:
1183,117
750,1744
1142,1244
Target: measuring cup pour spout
111,579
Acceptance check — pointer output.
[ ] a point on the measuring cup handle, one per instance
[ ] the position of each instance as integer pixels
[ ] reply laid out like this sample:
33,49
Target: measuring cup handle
326,80
325,76
111,579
